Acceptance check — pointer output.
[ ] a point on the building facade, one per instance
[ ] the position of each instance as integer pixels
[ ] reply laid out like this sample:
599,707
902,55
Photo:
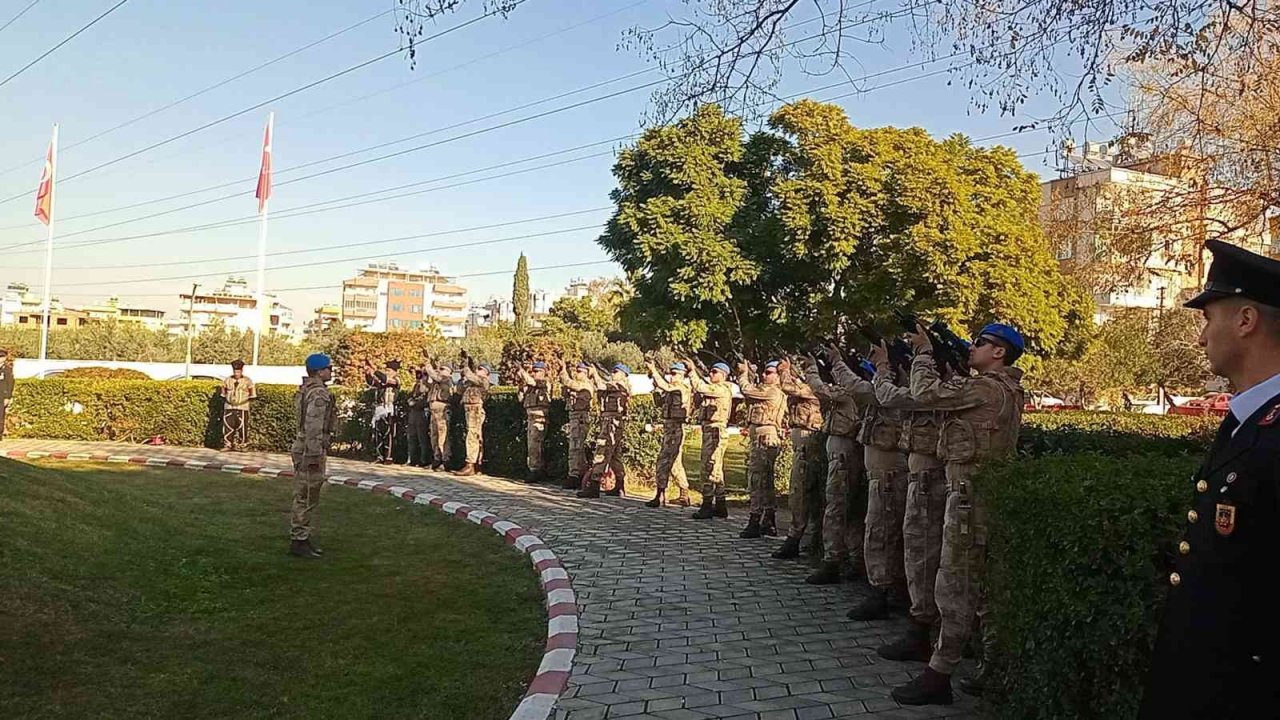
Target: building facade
383,297
235,307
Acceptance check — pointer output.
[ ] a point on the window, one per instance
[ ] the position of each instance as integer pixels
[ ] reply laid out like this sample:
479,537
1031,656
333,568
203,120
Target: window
62,321
1066,251
415,324
22,320
415,308
395,323
397,307
397,292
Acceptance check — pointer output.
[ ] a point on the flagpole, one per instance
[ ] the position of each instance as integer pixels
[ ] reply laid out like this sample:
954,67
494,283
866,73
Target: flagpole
262,256
48,250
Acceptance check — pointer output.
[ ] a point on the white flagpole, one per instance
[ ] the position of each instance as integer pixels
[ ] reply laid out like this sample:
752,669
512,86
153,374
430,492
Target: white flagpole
48,251
262,253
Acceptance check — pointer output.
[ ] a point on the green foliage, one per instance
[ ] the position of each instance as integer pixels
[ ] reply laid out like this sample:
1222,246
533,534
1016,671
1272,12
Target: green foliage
1076,576
131,342
102,373
350,350
1114,434
520,300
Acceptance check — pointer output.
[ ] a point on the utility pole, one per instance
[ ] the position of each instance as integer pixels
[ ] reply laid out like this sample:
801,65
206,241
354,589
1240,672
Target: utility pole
191,314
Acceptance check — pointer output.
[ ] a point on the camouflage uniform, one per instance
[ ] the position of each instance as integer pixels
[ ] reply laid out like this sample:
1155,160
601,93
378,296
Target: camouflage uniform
475,388
715,400
535,396
886,494
6,390
416,422
985,414
926,494
615,400
804,418
842,527
577,399
439,392
674,405
766,413
316,415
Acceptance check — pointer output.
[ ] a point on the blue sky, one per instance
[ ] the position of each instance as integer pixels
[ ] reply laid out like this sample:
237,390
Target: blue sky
150,53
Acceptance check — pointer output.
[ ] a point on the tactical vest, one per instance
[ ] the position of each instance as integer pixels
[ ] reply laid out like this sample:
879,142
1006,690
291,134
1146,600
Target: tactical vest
881,428
841,418
804,413
613,402
439,392
579,400
714,410
766,412
675,406
989,430
304,396
474,394
920,432
537,396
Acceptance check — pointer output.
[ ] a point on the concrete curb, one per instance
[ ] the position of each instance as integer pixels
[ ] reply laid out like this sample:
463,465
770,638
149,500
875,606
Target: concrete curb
561,601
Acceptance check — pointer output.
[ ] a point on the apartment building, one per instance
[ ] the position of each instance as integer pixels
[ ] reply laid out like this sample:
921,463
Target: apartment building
234,306
383,296
20,306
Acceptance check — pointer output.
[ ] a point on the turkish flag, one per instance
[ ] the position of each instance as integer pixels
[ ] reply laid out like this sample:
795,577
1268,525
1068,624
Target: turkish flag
264,175
44,194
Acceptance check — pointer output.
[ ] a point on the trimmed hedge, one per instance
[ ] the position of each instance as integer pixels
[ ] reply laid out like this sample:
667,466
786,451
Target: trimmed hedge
1076,574
1066,433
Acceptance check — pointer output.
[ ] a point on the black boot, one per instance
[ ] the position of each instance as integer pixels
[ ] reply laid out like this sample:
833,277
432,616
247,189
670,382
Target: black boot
929,688
659,499
590,489
789,550
705,512
828,573
302,549
752,530
976,683
769,524
570,482
873,606
814,549
914,645
722,507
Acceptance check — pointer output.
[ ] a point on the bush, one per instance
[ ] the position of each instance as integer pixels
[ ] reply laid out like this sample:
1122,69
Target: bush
102,373
1076,574
1114,434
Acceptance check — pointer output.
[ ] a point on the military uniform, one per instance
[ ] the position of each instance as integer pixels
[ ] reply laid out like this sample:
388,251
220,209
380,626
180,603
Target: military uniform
842,525
923,515
475,389
577,399
766,413
316,417
985,412
715,401
674,400
535,397
804,420
6,390
237,393
615,401
439,394
416,423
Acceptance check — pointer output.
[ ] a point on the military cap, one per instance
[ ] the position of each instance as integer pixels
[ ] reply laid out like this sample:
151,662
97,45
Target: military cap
868,366
771,364
539,365
317,362
237,364
1236,272
393,364
1007,333
678,367
582,365
4,353
721,367
622,367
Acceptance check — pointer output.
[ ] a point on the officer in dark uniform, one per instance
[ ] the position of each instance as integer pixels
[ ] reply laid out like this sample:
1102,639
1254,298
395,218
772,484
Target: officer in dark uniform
1218,647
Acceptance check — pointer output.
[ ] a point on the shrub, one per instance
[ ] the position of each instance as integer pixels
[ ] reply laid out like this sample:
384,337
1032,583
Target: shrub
1113,434
1076,576
102,373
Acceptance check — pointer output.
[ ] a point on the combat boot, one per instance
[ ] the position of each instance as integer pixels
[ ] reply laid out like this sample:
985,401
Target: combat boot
976,683
789,550
659,499
683,498
705,512
899,599
769,524
914,645
467,470
722,507
590,490
828,573
752,530
570,482
929,688
814,547
313,547
873,606
300,548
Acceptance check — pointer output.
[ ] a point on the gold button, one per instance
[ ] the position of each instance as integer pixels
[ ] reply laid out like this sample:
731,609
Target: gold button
1202,486
1192,516
1184,547
1175,579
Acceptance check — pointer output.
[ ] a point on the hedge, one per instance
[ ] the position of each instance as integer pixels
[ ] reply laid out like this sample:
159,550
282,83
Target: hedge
1077,571
1110,433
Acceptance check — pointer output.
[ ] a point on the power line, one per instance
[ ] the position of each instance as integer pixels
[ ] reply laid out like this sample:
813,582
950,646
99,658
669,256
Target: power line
66,40
208,89
21,12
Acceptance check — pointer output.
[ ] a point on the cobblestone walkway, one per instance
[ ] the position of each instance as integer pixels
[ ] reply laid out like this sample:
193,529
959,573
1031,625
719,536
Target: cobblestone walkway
679,619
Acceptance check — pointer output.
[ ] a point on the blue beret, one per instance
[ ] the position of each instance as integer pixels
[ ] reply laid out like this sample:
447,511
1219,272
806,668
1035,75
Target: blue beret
679,367
721,367
317,362
622,367
771,364
868,366
539,365
1006,333
583,366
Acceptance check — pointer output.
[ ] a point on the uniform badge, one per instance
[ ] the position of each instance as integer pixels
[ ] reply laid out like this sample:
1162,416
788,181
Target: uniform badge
1271,417
1224,520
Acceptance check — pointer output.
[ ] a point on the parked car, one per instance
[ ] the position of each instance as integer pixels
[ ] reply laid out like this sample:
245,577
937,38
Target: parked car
1218,404
1038,400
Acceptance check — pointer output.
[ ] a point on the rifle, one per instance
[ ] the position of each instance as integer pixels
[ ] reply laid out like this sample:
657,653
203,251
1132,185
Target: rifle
949,349
899,351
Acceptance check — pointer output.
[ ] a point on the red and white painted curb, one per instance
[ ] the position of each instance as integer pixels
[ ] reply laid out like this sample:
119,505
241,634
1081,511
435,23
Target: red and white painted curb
562,603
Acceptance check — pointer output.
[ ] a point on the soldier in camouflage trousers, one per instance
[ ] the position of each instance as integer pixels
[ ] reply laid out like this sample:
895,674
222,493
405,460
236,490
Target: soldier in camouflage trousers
615,402
475,389
766,411
673,396
804,419
535,396
316,415
985,412
715,402
578,392
439,393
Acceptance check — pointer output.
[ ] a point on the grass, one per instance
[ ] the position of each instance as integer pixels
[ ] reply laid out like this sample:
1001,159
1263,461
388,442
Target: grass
135,592
735,462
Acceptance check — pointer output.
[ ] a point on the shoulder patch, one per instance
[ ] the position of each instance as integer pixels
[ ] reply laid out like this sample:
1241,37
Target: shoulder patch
1272,416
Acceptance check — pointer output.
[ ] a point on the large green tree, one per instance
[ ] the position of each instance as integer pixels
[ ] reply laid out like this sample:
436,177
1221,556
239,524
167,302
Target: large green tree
520,294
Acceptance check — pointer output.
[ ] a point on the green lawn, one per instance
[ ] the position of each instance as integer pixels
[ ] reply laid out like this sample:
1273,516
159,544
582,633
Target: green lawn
735,461
134,592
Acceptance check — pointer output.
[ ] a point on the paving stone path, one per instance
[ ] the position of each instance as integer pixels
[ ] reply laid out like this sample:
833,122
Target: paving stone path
679,619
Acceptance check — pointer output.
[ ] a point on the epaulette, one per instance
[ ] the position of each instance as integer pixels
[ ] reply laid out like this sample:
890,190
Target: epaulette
1272,416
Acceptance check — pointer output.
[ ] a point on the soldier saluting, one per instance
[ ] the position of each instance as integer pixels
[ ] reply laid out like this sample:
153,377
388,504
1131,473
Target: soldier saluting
1216,650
